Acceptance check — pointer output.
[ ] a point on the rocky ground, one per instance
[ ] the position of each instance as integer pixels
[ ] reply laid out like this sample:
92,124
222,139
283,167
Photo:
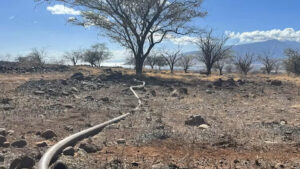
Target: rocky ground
186,122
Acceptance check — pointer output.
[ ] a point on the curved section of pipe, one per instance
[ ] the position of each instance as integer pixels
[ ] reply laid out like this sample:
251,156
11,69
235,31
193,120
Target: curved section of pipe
71,140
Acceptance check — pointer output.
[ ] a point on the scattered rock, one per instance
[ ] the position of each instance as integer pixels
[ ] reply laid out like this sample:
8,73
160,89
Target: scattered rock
88,147
69,128
1,157
74,89
153,93
204,126
78,76
22,162
276,83
69,151
69,106
2,140
195,121
64,82
121,141
39,92
183,91
208,91
218,83
89,98
6,144
175,93
41,144
105,99
48,134
241,82
283,122
3,132
65,93
5,100
59,165
19,143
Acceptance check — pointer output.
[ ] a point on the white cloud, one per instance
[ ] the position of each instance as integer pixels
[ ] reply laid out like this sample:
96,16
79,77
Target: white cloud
288,34
62,10
11,17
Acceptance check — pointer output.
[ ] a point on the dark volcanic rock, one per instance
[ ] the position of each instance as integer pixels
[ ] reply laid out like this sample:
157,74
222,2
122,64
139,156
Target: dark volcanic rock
22,162
19,143
195,121
48,134
69,151
276,83
89,147
78,76
2,140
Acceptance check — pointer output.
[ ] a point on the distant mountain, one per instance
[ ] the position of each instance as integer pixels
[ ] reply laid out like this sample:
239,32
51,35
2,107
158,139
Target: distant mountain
275,46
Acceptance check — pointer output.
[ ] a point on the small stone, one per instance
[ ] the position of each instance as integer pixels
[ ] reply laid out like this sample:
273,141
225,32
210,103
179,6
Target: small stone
204,126
2,140
48,134
6,144
39,92
121,141
19,143
105,99
1,157
41,144
3,132
65,93
69,151
69,128
175,93
69,106
183,91
74,89
208,91
22,162
10,132
153,93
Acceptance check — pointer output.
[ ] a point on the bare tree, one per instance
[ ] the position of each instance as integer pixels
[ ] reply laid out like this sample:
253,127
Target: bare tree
268,61
138,25
160,62
186,61
96,54
35,58
74,56
212,50
243,62
171,58
151,60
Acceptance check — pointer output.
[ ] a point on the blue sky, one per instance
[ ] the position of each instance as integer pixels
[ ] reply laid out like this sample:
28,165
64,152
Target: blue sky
26,25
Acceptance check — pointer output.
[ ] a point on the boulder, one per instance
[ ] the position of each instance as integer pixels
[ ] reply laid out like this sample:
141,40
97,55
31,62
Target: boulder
2,140
59,165
22,162
19,143
41,144
69,151
78,76
89,147
218,83
195,121
48,134
276,83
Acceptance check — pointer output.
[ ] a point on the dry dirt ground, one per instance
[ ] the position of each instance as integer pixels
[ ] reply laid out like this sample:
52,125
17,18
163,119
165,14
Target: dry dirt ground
186,120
